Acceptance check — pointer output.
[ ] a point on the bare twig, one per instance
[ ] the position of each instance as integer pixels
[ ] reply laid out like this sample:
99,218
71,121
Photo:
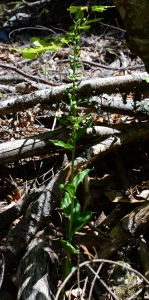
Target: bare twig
98,261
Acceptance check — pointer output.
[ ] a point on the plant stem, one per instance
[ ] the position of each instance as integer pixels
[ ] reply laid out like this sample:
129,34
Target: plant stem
73,106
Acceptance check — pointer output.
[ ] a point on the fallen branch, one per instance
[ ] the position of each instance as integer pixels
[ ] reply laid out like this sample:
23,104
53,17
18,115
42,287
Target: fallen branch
27,75
40,144
87,88
114,142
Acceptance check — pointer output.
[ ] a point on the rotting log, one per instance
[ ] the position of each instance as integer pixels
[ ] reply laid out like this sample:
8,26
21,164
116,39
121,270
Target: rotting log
135,14
131,225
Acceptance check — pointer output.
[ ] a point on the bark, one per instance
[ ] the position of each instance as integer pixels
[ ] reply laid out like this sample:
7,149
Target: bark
91,87
38,214
40,144
13,211
37,272
130,225
135,17
112,143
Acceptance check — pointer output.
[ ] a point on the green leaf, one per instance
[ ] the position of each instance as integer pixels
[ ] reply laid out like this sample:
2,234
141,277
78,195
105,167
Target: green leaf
66,204
77,208
70,188
29,55
100,8
82,130
47,12
79,177
62,144
73,9
83,118
79,15
62,121
93,21
80,221
84,27
147,79
68,247
78,64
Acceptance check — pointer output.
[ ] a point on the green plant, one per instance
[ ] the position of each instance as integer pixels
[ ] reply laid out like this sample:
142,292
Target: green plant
69,202
54,43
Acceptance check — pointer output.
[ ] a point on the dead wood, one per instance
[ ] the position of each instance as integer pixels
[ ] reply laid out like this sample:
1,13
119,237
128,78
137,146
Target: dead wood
37,272
144,258
114,217
112,143
40,144
35,78
12,211
130,225
122,106
37,214
87,88
34,145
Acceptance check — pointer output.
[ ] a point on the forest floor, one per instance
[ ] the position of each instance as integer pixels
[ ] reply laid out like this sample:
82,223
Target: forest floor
116,149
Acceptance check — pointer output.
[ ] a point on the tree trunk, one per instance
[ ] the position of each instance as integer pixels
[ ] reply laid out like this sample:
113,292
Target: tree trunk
135,14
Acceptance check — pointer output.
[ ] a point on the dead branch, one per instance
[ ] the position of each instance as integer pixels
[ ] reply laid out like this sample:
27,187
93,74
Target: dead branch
112,143
130,225
35,78
40,144
87,88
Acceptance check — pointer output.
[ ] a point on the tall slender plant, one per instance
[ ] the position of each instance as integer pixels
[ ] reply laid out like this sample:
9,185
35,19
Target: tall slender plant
69,202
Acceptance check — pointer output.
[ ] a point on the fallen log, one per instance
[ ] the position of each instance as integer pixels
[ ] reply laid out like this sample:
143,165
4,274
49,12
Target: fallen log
86,88
114,142
41,144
